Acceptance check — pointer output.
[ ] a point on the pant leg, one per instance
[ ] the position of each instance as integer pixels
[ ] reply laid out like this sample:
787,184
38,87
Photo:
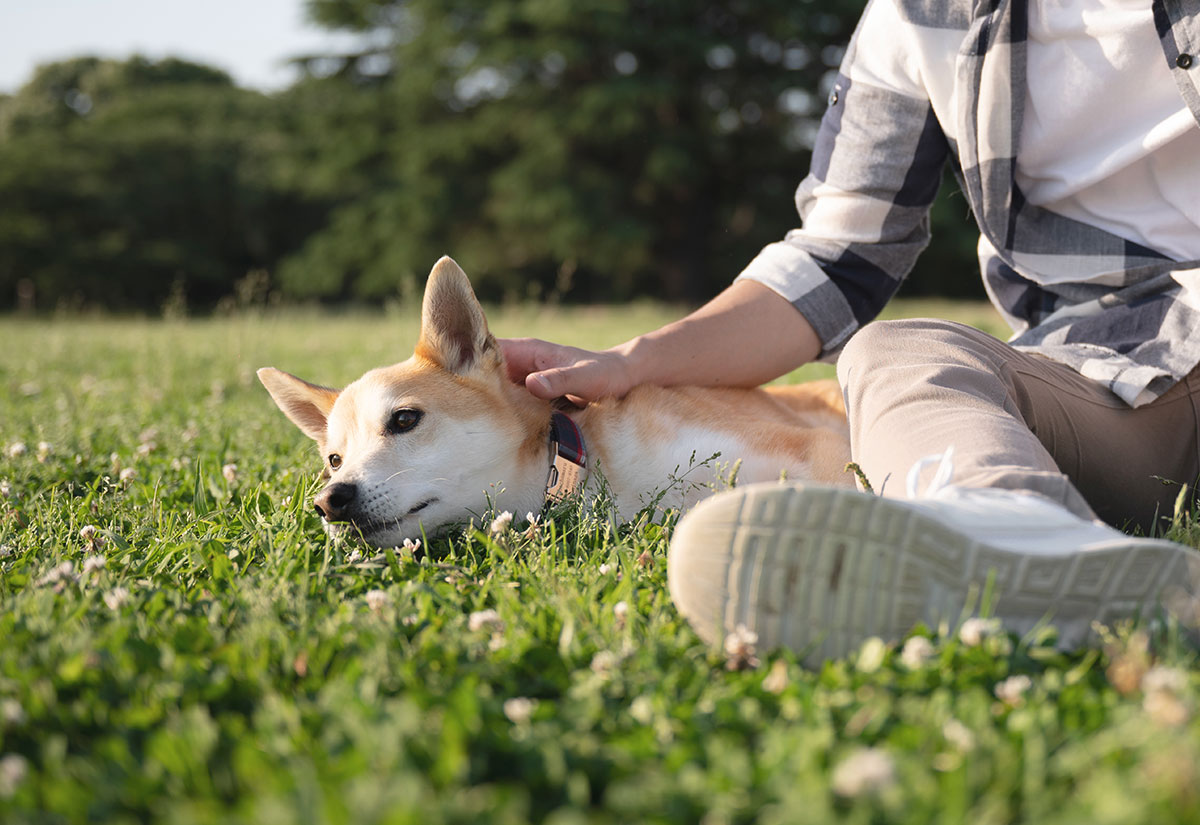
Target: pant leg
1130,464
1016,420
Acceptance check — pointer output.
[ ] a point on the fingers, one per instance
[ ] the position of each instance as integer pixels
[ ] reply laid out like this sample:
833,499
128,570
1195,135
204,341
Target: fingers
559,381
521,356
538,384
552,371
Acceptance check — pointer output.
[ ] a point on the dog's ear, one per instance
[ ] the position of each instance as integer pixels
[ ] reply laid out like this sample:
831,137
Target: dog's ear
454,332
307,405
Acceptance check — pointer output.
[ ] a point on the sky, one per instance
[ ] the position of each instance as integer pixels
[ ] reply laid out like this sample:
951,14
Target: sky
249,39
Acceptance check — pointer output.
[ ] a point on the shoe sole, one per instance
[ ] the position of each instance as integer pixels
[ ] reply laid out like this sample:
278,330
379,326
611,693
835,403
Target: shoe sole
819,570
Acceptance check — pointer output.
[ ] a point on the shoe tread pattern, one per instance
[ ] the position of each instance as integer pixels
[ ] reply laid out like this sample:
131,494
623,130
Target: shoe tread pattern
819,570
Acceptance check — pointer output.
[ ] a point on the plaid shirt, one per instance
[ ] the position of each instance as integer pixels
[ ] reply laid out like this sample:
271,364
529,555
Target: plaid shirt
928,80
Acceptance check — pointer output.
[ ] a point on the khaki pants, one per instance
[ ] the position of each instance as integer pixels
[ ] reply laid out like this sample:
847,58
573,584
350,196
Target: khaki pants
1016,421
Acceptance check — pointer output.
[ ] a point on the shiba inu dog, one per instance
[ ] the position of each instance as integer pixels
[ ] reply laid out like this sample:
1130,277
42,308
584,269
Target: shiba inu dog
437,439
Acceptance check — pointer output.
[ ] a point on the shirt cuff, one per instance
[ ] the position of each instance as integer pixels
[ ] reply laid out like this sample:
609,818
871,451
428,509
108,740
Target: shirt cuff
796,276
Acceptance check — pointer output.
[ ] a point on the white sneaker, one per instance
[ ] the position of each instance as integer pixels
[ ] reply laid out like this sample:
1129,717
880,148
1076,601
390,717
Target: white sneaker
818,569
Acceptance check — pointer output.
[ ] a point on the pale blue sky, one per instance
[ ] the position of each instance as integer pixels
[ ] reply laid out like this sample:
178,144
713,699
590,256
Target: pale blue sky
250,39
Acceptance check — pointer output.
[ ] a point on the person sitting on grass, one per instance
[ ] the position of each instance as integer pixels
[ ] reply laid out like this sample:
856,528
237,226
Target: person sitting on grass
1073,129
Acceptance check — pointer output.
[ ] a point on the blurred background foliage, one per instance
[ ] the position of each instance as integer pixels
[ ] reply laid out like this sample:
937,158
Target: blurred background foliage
595,150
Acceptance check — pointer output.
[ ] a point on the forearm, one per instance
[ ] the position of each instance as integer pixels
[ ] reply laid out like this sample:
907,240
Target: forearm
744,337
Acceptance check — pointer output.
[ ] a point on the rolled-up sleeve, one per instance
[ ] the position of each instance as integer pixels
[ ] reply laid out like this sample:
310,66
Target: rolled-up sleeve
864,206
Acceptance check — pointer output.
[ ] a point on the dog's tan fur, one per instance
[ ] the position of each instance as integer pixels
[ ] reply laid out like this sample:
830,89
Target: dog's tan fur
482,438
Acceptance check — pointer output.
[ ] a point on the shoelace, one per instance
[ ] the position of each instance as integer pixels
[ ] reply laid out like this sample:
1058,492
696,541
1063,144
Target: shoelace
941,476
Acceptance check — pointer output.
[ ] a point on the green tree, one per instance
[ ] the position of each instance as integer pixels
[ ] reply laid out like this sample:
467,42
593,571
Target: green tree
121,182
604,149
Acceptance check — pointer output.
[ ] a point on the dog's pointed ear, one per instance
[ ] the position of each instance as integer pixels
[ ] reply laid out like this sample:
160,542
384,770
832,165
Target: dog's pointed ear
454,331
307,405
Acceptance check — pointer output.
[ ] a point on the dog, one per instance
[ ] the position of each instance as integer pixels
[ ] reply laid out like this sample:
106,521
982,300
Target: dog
444,436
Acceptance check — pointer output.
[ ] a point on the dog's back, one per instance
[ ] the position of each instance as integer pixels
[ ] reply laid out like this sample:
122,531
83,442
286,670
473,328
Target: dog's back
654,433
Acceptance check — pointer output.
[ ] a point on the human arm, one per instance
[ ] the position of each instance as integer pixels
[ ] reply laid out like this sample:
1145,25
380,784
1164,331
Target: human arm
744,337
875,170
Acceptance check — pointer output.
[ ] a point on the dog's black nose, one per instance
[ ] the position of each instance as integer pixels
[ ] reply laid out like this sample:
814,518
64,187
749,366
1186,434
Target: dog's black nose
334,502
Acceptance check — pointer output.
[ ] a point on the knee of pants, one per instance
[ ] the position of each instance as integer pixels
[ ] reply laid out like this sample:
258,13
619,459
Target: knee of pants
911,340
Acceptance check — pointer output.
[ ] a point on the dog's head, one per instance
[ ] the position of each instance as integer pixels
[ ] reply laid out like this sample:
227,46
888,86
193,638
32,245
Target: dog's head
425,443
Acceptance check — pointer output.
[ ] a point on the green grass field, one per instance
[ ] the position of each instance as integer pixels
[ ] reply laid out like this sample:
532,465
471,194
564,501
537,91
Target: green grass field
180,642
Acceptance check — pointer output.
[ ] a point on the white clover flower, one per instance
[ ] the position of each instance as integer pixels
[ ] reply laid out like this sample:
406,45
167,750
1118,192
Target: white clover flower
865,771
975,630
377,600
500,525
13,769
535,525
16,449
1012,690
740,648
90,536
519,709
230,471
1162,679
44,449
1163,701
127,475
604,662
6,489
60,574
917,651
485,620
93,563
776,681
642,709
116,598
11,712
621,611
190,432
870,655
145,448
958,735
354,556
411,545
1165,708
611,567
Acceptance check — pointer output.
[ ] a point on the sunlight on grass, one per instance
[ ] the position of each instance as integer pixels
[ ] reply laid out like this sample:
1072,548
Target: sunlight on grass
183,643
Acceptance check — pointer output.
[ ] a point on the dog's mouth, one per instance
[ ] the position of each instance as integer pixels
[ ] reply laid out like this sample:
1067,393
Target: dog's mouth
368,527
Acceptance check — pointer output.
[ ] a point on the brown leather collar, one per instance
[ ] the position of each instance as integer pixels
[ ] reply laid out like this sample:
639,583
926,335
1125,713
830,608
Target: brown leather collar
568,458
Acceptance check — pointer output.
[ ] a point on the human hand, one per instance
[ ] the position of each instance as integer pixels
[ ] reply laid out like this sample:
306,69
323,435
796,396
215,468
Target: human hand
551,370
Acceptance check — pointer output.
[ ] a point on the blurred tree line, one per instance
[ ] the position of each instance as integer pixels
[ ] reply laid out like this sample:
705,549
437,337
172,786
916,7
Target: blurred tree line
596,151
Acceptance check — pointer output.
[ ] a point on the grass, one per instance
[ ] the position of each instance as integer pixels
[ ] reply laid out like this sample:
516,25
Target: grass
228,663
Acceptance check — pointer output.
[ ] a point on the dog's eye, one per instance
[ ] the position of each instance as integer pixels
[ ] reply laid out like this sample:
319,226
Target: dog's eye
403,420
335,461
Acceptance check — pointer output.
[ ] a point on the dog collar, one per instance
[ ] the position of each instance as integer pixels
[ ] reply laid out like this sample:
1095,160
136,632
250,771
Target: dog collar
568,458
